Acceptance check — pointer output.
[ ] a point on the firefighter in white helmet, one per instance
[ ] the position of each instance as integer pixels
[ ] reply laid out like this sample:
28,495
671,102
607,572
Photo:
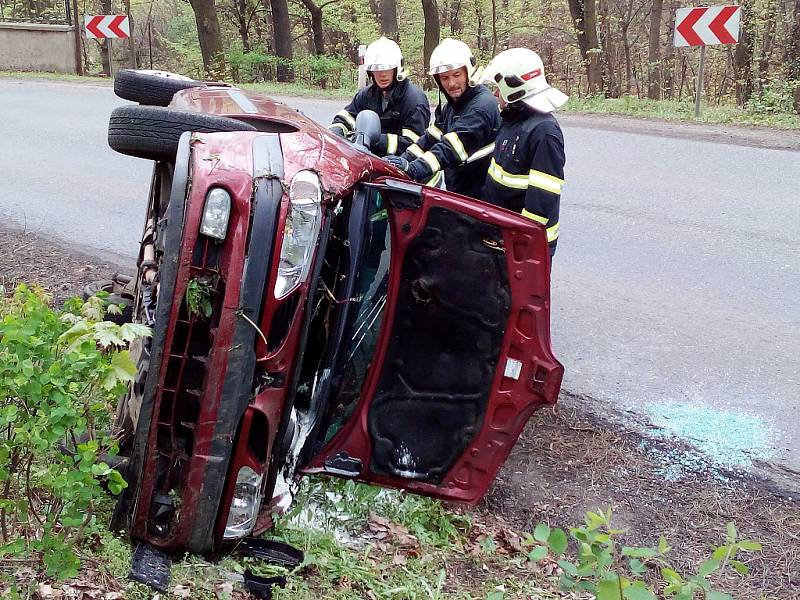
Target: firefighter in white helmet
526,173
402,106
459,143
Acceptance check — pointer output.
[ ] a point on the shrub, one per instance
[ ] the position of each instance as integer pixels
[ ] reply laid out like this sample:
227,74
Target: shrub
60,373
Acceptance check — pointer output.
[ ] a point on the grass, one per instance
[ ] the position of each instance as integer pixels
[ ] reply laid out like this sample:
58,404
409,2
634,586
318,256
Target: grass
670,110
666,110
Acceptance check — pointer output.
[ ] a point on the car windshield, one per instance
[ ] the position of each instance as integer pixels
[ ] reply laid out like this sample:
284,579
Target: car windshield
370,291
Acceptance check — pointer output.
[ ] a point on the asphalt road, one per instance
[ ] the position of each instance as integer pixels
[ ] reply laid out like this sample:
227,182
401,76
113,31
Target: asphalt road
675,286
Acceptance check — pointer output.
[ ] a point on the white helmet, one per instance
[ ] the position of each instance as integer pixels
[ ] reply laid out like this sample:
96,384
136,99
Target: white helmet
519,75
453,54
384,54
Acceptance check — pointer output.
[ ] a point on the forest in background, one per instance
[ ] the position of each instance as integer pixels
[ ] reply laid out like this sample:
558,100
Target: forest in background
608,48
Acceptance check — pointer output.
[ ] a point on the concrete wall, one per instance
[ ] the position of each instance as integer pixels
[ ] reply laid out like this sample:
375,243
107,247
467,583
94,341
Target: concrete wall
34,47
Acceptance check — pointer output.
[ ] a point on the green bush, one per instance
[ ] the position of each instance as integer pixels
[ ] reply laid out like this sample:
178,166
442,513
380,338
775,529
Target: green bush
775,97
60,374
259,65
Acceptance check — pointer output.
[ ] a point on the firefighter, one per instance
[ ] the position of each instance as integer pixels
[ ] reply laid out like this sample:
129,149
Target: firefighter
403,107
526,173
459,143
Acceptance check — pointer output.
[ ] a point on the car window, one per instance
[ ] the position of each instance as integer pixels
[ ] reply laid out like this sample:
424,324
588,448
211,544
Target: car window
370,291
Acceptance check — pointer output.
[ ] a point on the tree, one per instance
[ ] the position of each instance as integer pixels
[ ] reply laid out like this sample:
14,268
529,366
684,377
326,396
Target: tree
793,56
654,51
208,34
584,18
282,36
388,19
430,11
317,31
743,55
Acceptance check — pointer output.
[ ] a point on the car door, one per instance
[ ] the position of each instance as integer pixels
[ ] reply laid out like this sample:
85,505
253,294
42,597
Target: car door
448,351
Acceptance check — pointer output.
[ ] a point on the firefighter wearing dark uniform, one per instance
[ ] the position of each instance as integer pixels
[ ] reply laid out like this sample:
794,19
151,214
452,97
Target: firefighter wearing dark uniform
402,106
459,143
526,173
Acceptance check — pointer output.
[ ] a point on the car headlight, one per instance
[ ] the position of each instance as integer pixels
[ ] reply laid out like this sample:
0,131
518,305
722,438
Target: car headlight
244,505
300,234
216,213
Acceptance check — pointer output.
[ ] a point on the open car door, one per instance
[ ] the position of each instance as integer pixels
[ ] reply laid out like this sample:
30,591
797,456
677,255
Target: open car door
447,352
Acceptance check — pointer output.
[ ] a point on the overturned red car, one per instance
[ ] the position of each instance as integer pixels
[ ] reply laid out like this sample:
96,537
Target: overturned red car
313,311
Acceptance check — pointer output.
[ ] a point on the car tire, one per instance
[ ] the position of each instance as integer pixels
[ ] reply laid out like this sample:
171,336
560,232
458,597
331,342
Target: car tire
153,132
107,285
152,88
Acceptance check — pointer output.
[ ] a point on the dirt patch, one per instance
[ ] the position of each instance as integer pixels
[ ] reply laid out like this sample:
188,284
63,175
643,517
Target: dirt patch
569,461
27,258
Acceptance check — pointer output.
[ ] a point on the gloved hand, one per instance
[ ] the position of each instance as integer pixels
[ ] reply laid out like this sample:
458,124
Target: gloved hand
397,161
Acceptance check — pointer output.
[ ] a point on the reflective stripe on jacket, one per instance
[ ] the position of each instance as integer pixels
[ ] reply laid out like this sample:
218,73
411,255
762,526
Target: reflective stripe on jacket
526,173
403,121
459,142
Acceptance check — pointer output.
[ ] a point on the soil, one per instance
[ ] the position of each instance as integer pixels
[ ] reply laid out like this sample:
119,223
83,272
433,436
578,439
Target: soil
569,460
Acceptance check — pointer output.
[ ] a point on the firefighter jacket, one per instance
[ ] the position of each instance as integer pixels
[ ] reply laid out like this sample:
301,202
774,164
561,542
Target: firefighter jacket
459,143
526,172
403,119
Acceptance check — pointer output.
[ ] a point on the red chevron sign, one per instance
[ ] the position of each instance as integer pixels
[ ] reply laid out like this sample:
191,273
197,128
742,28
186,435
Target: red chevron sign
707,25
107,26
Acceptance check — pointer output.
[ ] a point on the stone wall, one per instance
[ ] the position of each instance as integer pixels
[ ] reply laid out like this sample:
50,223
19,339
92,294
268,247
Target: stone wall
35,47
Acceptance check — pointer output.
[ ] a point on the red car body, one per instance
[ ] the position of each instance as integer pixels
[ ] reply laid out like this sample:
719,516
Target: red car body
450,298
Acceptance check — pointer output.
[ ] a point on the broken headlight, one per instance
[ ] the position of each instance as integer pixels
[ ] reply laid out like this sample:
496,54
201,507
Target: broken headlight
300,234
244,504
216,212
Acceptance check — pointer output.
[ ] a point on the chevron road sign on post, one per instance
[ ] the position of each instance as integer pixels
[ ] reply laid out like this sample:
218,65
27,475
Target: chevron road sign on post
703,26
707,25
107,26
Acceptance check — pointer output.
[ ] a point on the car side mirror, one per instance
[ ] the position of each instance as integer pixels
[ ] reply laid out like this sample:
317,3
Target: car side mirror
368,128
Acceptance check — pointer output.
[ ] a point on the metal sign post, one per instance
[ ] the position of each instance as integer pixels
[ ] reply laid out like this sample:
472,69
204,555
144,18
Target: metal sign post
702,26
699,93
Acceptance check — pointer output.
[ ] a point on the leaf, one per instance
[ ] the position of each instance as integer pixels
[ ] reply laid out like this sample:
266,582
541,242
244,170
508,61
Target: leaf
712,595
608,590
568,567
731,528
122,370
639,552
708,567
132,331
749,545
557,541
636,566
541,533
537,554
638,593
106,334
671,576
740,567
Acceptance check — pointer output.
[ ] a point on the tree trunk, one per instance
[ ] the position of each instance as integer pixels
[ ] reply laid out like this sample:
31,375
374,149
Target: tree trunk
743,56
282,36
455,17
793,56
767,43
608,52
316,26
389,19
654,52
105,47
494,27
584,17
242,24
431,13
205,15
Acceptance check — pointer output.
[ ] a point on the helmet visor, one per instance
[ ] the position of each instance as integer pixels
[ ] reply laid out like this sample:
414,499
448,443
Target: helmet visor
438,69
379,67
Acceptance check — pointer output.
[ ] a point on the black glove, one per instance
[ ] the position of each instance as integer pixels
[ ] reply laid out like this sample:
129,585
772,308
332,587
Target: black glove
397,161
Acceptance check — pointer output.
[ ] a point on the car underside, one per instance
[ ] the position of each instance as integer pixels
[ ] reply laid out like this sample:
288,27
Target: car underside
315,312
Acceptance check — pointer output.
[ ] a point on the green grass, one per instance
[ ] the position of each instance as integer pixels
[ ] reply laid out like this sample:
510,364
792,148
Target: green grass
665,110
669,110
